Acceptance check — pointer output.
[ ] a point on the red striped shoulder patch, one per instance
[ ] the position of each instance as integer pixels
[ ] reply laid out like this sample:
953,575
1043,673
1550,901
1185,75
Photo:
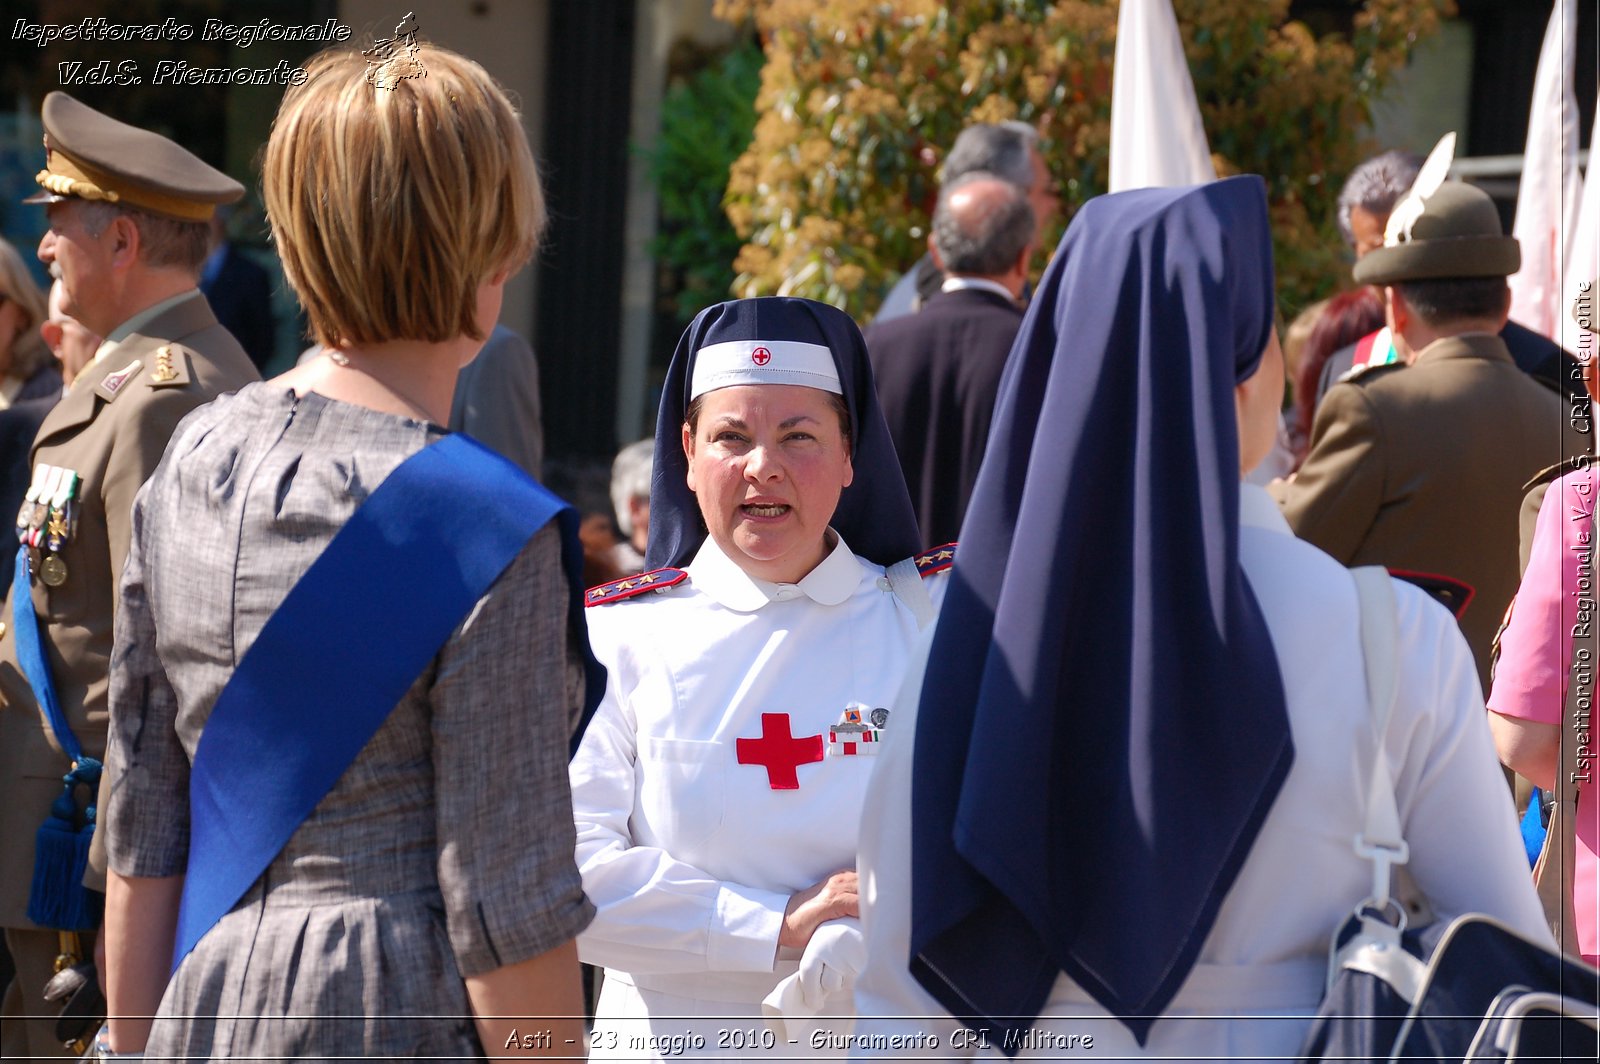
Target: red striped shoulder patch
655,580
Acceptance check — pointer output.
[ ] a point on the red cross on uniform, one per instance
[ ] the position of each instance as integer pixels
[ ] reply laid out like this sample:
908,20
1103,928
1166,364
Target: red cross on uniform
779,751
761,356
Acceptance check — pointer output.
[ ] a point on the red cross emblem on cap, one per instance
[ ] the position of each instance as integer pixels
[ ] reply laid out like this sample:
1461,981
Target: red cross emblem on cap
761,356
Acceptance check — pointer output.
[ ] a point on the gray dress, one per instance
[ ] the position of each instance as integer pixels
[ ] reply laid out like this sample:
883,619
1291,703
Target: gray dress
446,848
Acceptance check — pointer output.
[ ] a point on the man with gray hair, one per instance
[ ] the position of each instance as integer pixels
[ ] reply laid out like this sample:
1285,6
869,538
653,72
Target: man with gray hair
938,371
1007,150
630,498
1369,194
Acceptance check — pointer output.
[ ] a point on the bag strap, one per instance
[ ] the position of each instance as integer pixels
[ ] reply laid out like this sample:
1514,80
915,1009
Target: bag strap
354,634
906,582
1380,840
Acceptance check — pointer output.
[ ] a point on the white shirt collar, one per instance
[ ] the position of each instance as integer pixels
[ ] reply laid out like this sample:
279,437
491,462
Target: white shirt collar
982,284
1257,510
139,321
833,581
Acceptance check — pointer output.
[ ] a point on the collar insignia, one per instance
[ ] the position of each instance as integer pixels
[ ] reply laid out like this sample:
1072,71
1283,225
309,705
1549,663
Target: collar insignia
112,383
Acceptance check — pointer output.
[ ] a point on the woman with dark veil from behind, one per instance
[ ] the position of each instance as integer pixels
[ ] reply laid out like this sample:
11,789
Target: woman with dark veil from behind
1142,728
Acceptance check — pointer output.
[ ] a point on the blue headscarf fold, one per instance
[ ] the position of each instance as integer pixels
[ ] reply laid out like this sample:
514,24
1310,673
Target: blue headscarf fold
874,514
1102,728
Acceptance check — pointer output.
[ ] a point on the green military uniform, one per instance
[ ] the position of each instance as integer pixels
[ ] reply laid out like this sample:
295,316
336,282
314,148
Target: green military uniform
1422,467
108,432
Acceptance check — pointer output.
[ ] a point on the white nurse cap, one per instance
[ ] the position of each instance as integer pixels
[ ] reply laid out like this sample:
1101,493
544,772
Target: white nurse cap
734,362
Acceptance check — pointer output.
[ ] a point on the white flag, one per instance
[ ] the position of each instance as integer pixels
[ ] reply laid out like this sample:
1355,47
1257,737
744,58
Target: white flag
1547,200
1583,256
1157,138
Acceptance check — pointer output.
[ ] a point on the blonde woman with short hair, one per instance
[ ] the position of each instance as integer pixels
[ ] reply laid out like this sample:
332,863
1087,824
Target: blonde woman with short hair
434,883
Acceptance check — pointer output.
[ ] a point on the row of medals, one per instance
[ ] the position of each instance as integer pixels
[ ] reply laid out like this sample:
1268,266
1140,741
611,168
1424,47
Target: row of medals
48,519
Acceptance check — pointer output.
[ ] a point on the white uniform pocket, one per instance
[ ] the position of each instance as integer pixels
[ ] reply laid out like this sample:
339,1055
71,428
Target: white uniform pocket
681,792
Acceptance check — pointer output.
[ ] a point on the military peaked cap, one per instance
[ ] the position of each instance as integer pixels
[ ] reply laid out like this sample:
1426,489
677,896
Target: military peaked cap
1457,234
92,156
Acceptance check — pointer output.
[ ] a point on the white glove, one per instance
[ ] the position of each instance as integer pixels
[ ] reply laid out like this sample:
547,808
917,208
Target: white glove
832,959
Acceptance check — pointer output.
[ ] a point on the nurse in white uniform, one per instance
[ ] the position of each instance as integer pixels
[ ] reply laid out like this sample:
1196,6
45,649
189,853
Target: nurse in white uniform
719,788
1123,825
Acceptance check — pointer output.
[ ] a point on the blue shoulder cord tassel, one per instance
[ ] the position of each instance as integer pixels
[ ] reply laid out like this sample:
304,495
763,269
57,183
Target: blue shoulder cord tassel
58,898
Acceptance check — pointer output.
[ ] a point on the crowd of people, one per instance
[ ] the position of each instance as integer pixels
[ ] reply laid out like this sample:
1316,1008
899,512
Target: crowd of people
1000,664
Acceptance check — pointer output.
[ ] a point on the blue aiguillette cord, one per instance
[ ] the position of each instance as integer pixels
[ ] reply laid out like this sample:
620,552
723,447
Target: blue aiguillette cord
30,655
346,644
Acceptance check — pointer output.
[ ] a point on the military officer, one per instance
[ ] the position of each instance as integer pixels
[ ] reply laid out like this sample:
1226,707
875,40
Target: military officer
128,218
1420,465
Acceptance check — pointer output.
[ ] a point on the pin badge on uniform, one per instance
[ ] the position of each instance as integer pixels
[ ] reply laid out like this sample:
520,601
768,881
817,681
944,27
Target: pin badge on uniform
859,731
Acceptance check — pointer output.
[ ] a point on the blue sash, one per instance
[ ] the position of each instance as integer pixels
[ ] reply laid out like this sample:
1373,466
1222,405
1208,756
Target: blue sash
56,897
345,645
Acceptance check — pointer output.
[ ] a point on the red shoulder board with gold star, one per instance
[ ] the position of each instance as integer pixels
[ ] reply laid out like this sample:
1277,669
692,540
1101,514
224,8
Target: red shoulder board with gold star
617,590
936,559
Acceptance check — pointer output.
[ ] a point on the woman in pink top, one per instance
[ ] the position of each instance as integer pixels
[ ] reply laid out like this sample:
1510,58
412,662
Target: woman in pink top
1528,700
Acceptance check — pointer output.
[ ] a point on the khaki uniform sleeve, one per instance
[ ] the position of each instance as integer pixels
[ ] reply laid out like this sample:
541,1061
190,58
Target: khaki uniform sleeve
1334,499
140,443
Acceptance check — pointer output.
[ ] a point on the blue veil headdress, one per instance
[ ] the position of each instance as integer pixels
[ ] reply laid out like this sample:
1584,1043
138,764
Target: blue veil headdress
1102,726
874,514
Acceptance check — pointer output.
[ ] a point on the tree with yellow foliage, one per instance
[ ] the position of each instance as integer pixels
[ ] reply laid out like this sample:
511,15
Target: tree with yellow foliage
860,98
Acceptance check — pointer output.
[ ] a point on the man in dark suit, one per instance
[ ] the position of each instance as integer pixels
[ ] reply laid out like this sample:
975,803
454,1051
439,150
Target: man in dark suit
938,371
497,400
1420,465
1008,150
19,423
240,294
